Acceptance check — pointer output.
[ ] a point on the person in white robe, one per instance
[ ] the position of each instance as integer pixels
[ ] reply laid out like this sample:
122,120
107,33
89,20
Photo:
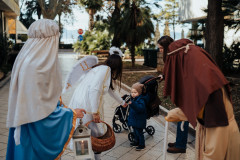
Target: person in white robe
93,86
39,127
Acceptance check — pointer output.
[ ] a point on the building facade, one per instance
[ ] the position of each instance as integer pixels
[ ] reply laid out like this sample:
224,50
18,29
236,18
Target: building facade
9,10
192,11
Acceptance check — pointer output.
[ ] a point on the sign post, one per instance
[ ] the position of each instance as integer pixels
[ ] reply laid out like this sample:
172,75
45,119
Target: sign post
80,37
80,31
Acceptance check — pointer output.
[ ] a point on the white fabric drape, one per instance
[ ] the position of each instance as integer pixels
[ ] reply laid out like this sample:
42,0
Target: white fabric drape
36,78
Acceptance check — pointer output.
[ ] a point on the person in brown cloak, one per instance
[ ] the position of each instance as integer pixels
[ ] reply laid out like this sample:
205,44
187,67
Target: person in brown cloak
198,87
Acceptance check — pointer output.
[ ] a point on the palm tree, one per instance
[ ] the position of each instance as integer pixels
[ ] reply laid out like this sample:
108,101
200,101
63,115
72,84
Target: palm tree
115,25
51,8
92,6
34,7
136,26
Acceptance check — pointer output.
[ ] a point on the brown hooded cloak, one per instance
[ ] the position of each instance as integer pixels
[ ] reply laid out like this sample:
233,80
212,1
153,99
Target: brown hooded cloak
193,80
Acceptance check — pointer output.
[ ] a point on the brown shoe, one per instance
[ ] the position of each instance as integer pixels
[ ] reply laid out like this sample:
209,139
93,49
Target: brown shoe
171,144
176,150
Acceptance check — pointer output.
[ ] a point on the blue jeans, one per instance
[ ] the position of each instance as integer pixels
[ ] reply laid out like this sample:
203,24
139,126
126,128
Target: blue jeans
181,139
138,136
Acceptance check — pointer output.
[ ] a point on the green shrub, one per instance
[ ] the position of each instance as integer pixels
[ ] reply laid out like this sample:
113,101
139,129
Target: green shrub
94,40
231,57
5,49
23,37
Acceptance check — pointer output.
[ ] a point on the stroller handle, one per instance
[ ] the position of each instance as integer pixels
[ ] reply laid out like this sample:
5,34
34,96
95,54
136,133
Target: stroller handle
155,78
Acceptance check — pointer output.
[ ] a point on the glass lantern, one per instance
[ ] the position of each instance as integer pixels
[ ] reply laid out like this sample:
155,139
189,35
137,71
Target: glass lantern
82,145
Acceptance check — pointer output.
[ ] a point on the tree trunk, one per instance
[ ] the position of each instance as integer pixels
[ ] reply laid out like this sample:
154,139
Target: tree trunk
174,30
215,30
174,19
116,40
132,50
116,15
60,26
50,10
39,12
91,13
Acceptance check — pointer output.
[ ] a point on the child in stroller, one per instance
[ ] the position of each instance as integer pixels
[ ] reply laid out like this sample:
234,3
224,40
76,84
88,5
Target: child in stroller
121,113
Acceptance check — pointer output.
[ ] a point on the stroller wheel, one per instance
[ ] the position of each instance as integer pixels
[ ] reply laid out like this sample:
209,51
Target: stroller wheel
150,130
131,137
117,128
124,125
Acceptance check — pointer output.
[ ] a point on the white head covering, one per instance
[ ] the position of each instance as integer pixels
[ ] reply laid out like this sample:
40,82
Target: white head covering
36,78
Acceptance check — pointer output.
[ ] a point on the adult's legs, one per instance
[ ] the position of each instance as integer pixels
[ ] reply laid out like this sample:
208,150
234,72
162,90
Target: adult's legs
181,139
182,136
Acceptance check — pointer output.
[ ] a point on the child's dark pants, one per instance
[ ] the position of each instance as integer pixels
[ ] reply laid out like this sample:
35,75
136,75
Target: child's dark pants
138,136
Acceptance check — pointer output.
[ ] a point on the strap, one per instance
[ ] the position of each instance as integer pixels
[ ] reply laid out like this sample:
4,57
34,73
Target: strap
186,50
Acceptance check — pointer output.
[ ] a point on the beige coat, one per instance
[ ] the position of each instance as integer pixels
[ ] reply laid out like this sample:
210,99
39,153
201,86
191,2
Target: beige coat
219,143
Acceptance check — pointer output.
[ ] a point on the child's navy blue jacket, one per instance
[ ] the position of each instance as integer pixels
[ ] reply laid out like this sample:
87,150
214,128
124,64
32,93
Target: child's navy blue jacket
138,112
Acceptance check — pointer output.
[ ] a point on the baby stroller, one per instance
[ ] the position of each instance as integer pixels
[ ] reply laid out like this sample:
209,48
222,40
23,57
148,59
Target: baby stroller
121,113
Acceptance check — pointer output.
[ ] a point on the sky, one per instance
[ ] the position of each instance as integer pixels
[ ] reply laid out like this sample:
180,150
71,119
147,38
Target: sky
80,19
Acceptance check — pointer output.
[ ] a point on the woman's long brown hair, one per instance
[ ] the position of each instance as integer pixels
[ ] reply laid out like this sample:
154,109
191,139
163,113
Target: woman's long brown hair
115,63
165,41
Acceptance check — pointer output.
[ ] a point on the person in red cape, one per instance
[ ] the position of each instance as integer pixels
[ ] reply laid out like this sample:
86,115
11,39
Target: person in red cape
198,87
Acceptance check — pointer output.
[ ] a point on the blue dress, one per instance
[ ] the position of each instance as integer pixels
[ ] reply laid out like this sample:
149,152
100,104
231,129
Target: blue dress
45,139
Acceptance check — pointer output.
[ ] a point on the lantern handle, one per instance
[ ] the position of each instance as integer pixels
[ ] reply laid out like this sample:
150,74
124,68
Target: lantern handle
80,122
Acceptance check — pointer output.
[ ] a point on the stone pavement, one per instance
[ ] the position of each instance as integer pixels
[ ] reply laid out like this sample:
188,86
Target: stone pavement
3,116
122,149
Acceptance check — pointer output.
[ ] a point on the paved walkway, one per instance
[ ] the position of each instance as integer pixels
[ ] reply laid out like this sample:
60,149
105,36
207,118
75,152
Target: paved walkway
122,149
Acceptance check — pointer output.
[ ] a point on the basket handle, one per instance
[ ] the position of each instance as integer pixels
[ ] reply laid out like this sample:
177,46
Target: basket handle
100,122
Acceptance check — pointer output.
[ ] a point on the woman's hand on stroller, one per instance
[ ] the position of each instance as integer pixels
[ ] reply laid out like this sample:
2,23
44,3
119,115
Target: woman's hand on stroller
96,117
161,77
125,105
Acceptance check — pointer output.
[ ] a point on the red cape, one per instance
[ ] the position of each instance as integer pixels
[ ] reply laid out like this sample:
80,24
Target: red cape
190,78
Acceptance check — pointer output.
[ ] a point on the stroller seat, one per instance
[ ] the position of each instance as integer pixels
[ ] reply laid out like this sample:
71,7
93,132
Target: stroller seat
121,115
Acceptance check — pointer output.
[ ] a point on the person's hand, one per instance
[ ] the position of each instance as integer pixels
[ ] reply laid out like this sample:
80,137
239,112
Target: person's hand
96,118
161,77
125,105
80,112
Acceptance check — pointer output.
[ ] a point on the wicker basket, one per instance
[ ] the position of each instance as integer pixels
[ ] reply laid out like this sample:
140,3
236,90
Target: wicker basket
104,142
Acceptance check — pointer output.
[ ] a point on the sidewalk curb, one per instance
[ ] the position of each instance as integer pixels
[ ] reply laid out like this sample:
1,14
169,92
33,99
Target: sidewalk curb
5,80
126,87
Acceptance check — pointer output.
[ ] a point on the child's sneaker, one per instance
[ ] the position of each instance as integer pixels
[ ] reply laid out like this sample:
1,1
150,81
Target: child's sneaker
134,144
140,148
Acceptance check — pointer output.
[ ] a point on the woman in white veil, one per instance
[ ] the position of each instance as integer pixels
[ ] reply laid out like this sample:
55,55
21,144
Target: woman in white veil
40,128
